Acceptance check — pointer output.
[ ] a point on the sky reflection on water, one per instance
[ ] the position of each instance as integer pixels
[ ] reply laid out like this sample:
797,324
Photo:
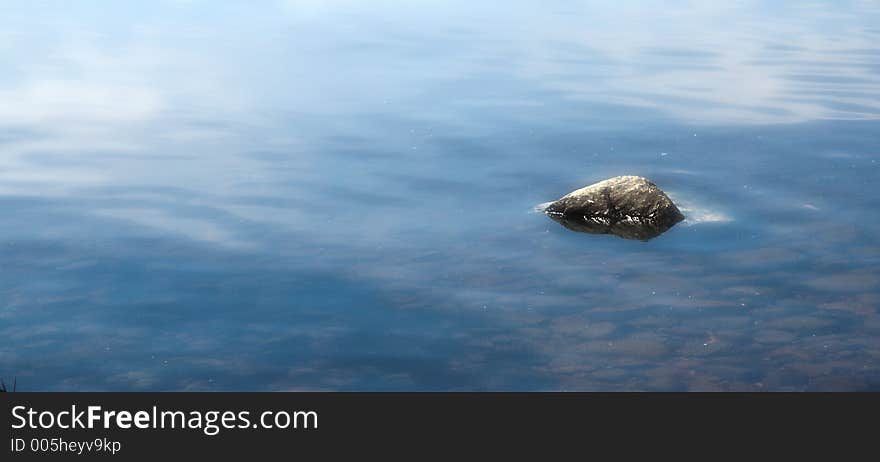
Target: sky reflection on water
337,195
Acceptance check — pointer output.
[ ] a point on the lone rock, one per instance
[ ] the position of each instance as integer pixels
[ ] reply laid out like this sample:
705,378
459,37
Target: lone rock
630,207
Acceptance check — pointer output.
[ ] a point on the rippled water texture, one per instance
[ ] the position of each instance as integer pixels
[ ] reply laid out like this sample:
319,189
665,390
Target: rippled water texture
339,195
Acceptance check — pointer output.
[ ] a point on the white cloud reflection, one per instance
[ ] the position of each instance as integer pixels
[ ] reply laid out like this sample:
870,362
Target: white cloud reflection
102,95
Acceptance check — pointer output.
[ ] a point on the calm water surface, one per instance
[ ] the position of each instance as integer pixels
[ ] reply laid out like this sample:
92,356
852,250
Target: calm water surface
338,195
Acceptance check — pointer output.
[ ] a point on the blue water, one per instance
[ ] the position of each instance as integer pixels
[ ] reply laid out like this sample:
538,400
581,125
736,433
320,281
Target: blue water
338,195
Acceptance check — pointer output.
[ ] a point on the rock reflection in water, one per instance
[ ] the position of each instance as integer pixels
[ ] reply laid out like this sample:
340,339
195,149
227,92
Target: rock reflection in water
641,229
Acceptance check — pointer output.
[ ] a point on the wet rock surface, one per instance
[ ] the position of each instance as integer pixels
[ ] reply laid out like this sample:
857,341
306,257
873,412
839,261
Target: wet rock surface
631,207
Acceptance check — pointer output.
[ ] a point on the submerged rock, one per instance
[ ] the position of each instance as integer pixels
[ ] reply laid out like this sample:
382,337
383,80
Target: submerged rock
630,207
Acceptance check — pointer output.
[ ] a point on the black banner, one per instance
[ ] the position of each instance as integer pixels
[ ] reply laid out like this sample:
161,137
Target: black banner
148,426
